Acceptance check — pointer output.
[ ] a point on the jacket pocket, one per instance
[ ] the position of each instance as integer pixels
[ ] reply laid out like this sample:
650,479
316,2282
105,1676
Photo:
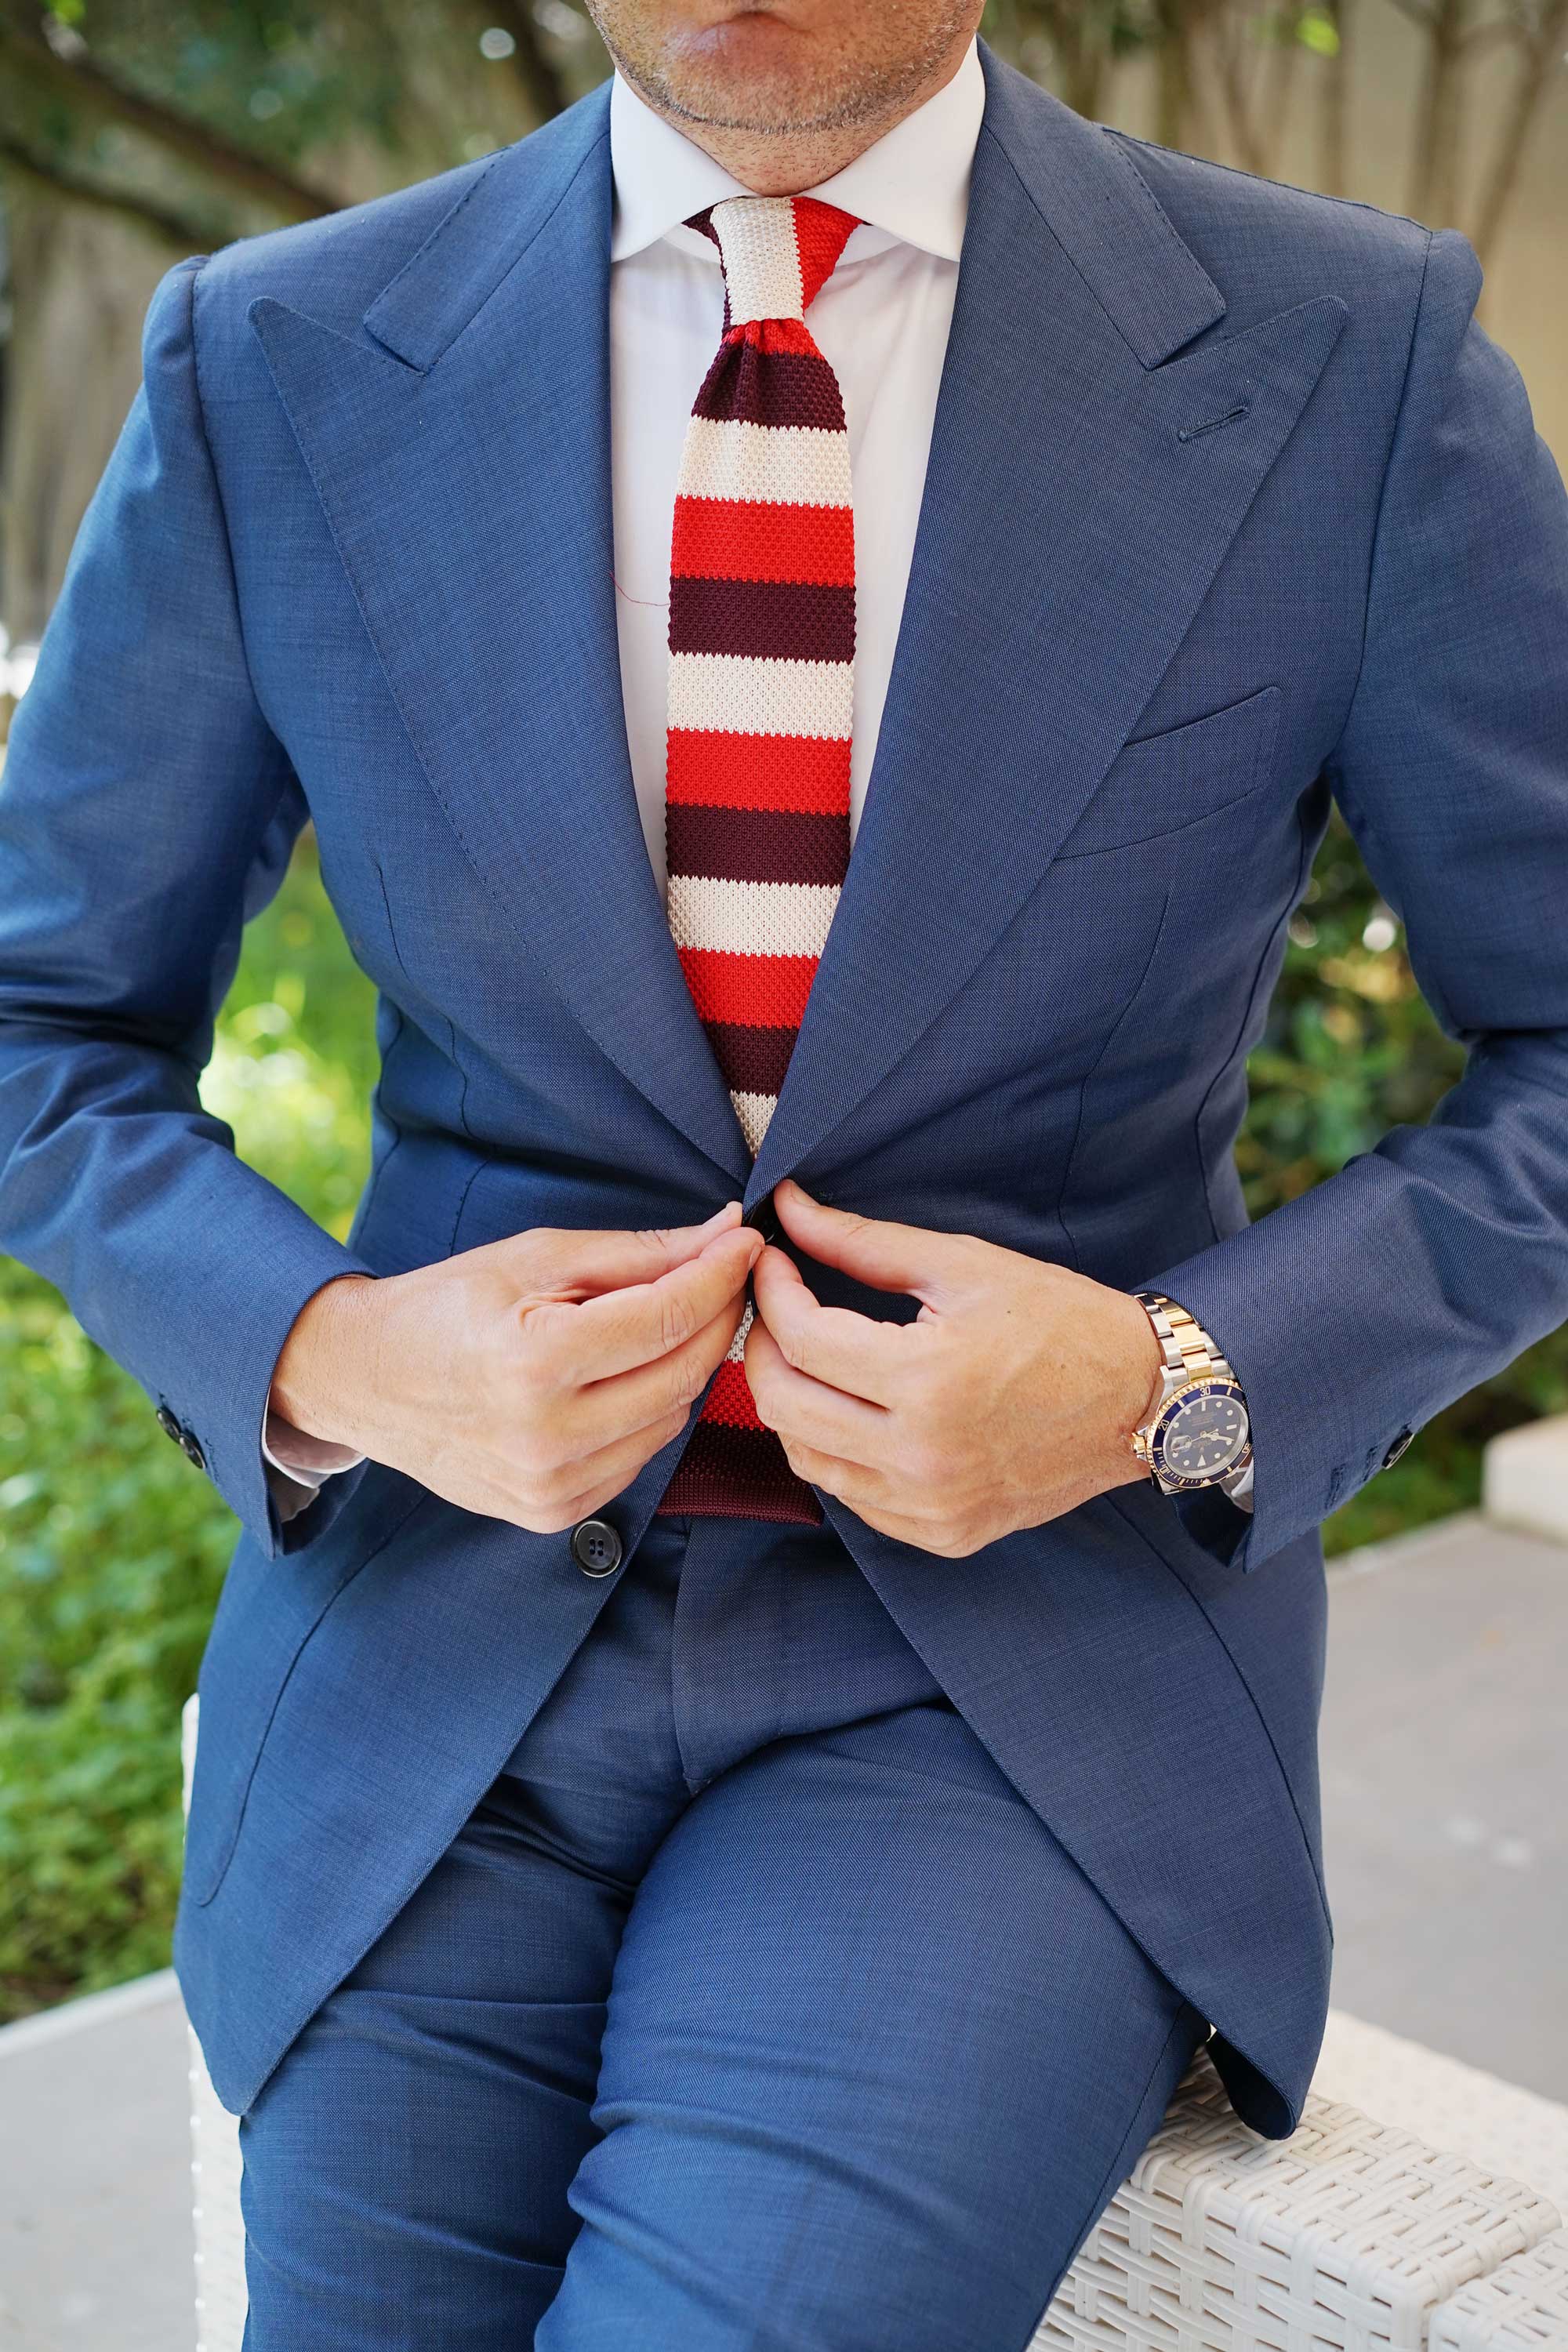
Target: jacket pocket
1158,784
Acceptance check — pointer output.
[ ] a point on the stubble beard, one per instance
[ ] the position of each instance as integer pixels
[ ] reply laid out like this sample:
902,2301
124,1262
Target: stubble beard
854,89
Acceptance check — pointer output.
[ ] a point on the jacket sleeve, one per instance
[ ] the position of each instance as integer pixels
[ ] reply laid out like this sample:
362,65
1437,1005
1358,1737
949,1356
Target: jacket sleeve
1354,1313
146,809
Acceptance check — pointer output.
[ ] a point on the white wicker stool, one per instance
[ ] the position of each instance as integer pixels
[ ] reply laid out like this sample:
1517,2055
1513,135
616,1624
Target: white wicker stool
1350,2236
1343,2238
1523,2307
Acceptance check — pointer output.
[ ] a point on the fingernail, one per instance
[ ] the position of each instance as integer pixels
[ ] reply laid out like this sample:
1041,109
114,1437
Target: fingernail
719,1216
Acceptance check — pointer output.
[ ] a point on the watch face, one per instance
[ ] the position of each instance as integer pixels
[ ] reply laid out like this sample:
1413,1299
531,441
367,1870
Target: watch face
1203,1434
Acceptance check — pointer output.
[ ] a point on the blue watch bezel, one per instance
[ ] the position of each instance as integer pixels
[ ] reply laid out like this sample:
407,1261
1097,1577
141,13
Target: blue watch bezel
1209,1384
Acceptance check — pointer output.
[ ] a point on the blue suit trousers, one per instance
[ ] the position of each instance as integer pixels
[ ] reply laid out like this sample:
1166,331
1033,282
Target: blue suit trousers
751,2007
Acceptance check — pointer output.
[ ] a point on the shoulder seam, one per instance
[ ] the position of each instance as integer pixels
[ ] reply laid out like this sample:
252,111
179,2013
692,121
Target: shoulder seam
1262,179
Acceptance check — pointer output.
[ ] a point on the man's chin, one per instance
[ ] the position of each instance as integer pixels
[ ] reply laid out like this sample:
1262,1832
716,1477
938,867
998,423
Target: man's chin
751,74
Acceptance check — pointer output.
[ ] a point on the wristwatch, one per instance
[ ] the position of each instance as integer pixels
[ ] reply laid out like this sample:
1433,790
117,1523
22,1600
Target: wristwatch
1198,1434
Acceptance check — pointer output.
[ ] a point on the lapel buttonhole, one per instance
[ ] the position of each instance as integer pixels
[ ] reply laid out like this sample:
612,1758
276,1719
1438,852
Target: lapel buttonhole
1213,424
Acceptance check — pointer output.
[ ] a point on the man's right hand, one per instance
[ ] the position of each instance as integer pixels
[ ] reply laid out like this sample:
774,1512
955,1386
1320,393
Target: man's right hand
528,1380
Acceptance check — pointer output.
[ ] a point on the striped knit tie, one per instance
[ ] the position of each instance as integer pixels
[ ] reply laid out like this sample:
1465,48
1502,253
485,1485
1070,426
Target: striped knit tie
761,642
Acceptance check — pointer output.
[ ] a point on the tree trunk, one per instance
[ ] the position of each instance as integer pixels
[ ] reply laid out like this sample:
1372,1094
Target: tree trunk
1173,74
1435,194
81,283
1333,166
1081,59
1538,57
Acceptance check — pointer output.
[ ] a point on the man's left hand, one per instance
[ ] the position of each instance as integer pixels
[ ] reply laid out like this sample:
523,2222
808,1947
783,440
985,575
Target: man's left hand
1010,1399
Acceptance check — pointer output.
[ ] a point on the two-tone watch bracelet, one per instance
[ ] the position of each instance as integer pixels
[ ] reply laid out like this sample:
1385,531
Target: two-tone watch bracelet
1183,1343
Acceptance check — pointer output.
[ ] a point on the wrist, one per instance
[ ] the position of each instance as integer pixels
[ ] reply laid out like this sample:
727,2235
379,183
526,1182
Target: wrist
1144,1383
1133,1380
314,1383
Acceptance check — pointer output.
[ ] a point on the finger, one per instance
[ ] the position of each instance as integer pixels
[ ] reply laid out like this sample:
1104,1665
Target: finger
808,1411
630,1401
936,1268
853,1353
848,1482
599,1477
645,1321
589,1262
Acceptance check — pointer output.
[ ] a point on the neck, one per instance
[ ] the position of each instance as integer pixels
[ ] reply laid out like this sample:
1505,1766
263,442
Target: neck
784,163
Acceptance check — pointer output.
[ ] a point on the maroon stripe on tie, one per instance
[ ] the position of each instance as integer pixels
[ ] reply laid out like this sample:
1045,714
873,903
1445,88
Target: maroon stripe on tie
755,845
772,388
742,1473
737,1077
753,1060
781,619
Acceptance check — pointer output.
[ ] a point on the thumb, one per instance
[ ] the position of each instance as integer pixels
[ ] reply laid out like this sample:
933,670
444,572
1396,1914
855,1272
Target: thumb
931,1266
590,1261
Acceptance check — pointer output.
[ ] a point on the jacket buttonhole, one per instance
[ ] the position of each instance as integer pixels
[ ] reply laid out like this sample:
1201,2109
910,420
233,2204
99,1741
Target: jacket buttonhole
1213,424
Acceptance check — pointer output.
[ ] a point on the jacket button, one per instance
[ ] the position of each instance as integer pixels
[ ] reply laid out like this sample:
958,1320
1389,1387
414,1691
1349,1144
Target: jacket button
168,1422
193,1450
764,1217
595,1548
1397,1448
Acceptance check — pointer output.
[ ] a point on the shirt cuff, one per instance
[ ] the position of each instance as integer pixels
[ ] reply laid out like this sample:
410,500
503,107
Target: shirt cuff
307,1461
1241,1493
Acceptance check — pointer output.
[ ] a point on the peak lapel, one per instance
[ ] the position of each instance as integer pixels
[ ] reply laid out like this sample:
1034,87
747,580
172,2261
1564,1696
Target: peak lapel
1068,531
466,480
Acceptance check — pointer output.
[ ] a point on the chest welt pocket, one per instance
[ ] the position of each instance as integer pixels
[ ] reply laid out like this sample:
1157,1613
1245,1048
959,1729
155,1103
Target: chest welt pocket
1159,784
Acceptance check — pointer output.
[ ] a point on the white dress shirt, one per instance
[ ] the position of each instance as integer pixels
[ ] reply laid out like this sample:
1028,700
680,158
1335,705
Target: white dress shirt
882,323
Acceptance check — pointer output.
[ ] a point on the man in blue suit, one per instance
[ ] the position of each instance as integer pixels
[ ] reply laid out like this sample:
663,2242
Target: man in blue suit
626,1911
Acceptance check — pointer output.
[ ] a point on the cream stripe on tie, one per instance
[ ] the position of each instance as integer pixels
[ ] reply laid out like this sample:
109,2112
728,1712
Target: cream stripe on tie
793,465
744,694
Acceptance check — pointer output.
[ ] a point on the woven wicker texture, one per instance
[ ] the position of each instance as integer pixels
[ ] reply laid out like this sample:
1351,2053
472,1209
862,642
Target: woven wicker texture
221,2295
1447,2103
1344,2238
1522,2307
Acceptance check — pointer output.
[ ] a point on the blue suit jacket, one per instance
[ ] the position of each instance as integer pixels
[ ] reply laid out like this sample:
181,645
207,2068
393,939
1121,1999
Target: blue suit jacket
1229,505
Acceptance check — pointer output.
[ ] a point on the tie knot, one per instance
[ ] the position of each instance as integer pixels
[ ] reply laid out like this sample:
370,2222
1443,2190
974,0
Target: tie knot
777,252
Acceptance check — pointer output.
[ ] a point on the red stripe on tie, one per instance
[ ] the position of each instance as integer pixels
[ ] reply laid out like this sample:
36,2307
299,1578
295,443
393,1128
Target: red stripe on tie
750,539
773,335
801,775
762,991
729,1399
822,232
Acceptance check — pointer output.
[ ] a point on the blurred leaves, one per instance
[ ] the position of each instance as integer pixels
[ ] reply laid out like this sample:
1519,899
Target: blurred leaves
112,1548
214,118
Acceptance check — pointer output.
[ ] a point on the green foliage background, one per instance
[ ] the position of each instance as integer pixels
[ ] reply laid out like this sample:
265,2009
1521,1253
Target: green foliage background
112,1547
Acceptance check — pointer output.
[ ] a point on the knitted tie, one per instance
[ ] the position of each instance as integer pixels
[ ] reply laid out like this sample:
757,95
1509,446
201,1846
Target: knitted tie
762,645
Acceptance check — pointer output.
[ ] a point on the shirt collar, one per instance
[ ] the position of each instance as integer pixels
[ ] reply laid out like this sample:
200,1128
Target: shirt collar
912,183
